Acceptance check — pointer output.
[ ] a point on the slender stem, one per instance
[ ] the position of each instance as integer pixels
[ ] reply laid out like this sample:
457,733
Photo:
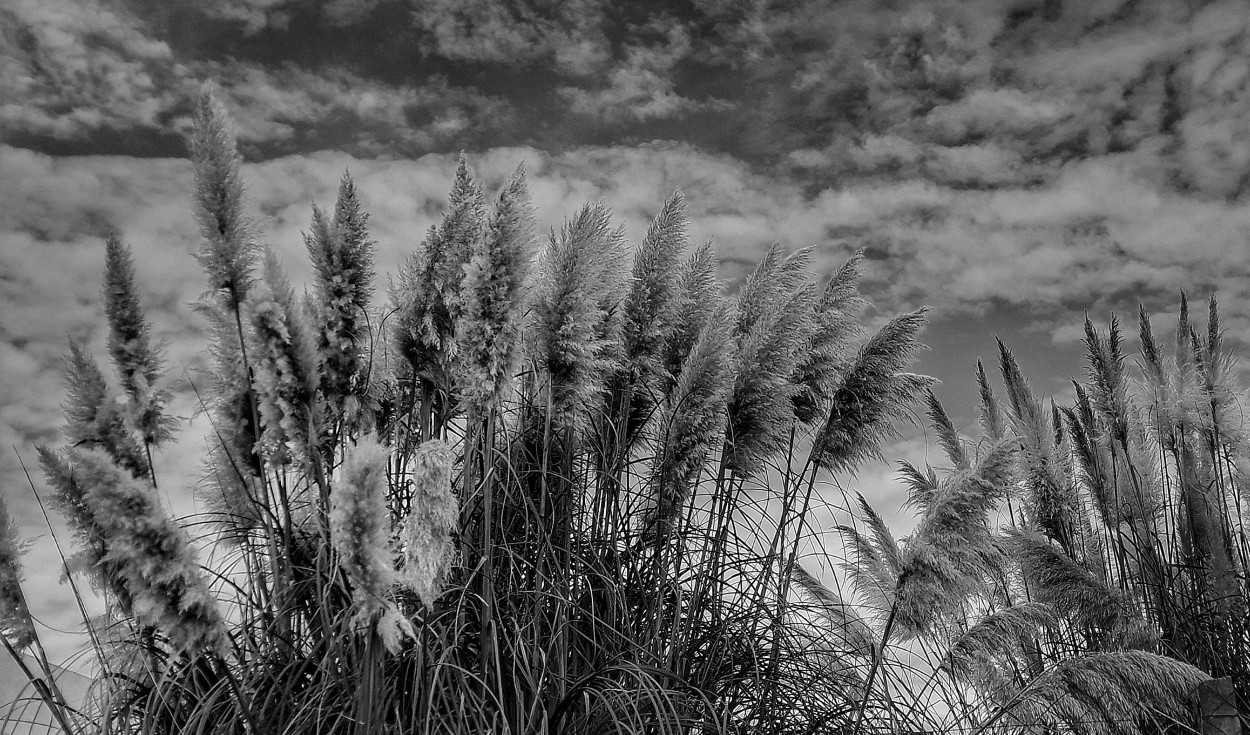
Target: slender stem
53,703
147,448
872,670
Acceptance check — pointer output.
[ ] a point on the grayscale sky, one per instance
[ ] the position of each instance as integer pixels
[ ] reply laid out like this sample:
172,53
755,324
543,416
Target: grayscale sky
1011,163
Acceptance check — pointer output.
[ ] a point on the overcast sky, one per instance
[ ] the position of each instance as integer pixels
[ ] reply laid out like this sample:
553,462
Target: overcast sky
1010,163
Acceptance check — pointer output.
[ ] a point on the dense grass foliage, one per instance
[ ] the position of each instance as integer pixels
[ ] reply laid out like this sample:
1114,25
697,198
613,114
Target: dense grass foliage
563,485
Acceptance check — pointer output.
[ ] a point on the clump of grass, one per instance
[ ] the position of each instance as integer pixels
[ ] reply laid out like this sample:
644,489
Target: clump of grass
1113,583
510,502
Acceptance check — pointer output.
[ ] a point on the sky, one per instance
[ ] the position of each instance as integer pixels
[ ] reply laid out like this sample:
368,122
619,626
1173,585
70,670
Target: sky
1011,163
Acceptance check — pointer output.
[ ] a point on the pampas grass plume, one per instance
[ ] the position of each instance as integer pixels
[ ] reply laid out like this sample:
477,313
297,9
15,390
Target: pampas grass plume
873,390
94,412
429,529
359,527
283,366
15,621
652,300
488,327
577,312
698,293
150,553
342,256
229,248
136,359
693,419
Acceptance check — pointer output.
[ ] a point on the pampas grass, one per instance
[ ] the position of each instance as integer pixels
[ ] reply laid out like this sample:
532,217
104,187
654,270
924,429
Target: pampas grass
516,500
576,497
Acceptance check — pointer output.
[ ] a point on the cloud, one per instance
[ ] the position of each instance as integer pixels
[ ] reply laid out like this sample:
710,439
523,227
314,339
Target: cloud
69,66
73,70
284,106
484,31
641,88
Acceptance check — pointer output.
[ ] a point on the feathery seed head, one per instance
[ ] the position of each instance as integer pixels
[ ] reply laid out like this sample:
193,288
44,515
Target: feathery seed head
1109,694
488,327
95,414
430,526
1149,348
69,497
872,391
578,310
991,414
283,361
775,278
874,560
922,486
830,348
693,419
1058,579
1107,378
229,248
1052,499
342,258
137,360
945,430
761,409
15,621
150,553
650,306
952,550
359,527
1002,633
698,293
429,299
844,622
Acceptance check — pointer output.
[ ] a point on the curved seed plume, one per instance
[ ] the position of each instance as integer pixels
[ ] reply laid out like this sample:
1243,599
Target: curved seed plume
761,409
873,390
698,293
15,622
946,434
137,360
692,421
952,550
341,252
830,348
284,361
488,329
990,413
577,313
69,497
922,485
94,416
874,561
1000,636
149,553
1074,590
842,619
1108,694
650,306
1052,500
429,528
229,248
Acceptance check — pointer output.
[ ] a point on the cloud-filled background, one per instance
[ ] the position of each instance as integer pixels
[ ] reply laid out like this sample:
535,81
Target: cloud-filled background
1011,163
